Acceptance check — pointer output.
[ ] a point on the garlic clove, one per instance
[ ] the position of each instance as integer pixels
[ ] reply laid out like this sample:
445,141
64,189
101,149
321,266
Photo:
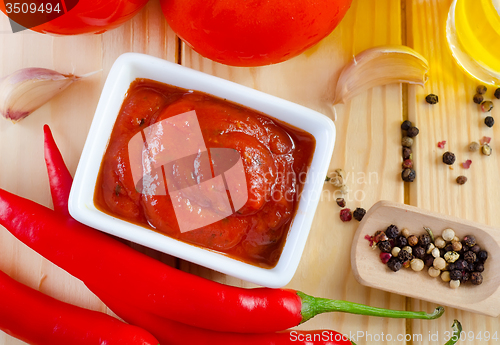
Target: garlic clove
380,66
25,90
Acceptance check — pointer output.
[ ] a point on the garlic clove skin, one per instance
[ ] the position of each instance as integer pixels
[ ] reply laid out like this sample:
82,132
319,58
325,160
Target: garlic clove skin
25,90
380,66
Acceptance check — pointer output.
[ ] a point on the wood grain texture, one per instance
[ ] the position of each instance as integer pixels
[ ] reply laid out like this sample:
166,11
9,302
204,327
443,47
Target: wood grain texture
459,121
367,148
69,115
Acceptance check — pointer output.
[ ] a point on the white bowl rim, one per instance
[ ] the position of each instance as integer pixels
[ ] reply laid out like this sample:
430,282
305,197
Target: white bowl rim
130,66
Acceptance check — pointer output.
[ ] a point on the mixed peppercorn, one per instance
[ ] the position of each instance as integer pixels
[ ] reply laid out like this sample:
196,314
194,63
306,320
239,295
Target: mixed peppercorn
409,133
455,261
338,180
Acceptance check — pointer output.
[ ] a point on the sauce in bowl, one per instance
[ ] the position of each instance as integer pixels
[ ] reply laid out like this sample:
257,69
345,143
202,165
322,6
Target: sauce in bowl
275,158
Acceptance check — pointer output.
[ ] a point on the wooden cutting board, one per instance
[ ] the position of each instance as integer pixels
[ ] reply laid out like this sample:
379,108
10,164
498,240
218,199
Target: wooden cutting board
367,147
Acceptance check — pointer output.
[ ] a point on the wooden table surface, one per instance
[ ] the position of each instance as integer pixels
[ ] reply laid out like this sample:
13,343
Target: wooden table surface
367,148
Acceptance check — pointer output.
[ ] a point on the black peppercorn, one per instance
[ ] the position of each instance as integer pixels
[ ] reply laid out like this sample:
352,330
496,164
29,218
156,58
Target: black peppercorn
470,240
475,248
455,275
448,248
479,267
412,132
452,267
394,264
384,246
470,256
489,121
407,154
400,241
461,264
465,247
424,239
481,89
497,93
476,278
482,255
405,125
392,231
461,179
448,158
419,252
478,99
404,256
408,175
432,98
470,267
465,277
359,213
428,260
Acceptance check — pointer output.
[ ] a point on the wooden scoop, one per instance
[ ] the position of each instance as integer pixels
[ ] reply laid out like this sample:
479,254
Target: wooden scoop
370,271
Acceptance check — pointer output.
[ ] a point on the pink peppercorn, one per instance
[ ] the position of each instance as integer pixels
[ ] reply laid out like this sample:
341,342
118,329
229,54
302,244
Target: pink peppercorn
407,164
485,140
466,164
441,144
385,257
345,215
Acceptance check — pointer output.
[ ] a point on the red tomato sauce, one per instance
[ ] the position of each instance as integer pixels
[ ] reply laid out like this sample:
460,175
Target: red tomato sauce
275,156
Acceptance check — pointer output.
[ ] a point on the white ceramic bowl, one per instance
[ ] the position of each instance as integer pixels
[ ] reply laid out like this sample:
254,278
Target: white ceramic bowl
126,69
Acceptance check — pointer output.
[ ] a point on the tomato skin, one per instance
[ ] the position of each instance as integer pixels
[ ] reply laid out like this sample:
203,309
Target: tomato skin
91,17
253,32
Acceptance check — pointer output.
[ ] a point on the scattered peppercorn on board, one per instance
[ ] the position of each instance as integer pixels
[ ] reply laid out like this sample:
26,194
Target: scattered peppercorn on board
367,148
459,121
369,270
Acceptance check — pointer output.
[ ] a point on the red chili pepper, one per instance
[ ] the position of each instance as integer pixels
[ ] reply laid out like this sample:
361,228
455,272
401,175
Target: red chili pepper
38,319
103,263
175,333
172,332
60,179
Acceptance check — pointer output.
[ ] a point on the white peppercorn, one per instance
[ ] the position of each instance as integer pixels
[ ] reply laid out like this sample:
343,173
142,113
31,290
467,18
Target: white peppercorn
395,251
436,253
430,248
448,234
417,264
405,232
454,284
433,272
439,263
439,242
445,276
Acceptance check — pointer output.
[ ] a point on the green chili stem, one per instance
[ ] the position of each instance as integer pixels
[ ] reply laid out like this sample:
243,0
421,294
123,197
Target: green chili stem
457,329
312,306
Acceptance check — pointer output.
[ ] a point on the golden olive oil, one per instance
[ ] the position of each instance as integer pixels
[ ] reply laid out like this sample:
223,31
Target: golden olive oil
477,31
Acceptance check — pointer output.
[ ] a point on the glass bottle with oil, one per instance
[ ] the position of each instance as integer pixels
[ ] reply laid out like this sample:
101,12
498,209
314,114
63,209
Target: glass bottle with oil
473,32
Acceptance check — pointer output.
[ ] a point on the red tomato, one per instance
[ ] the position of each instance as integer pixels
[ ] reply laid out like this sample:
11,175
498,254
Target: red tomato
253,32
90,17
